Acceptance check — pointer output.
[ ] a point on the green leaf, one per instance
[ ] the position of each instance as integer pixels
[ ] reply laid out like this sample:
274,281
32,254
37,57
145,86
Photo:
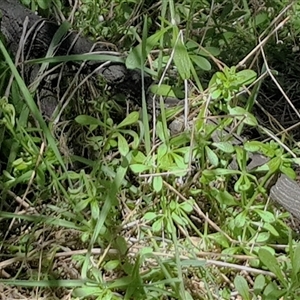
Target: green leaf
157,225
135,59
262,237
187,207
157,183
111,265
122,145
182,60
270,228
86,120
240,220
132,118
218,172
246,77
274,164
149,216
259,284
244,115
212,157
44,4
121,244
139,168
271,263
179,220
265,215
242,287
296,260
224,197
201,62
224,146
162,90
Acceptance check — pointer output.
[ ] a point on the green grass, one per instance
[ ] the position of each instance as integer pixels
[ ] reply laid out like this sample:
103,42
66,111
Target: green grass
101,203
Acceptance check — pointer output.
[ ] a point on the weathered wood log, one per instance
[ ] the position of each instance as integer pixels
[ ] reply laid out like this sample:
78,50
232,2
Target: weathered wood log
41,33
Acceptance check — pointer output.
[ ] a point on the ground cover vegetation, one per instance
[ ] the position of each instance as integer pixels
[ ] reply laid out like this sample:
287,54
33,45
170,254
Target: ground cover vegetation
106,201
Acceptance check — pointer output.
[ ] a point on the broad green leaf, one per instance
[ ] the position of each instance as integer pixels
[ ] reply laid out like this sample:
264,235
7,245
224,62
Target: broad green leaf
157,225
271,263
242,287
265,215
187,207
162,90
201,62
132,118
246,77
259,284
157,183
252,146
149,216
121,244
270,228
44,4
111,265
179,220
224,197
274,164
262,237
243,115
224,146
240,220
182,60
212,50
88,120
212,157
95,210
123,146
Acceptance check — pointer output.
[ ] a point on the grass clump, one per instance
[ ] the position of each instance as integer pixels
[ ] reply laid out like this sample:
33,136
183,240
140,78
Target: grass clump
106,201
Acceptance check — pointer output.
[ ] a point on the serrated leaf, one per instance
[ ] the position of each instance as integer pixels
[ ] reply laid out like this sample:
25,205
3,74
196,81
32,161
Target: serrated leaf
241,285
182,60
123,146
271,263
201,62
132,118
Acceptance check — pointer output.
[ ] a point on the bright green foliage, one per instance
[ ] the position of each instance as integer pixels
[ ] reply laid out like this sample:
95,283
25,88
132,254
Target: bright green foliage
153,214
